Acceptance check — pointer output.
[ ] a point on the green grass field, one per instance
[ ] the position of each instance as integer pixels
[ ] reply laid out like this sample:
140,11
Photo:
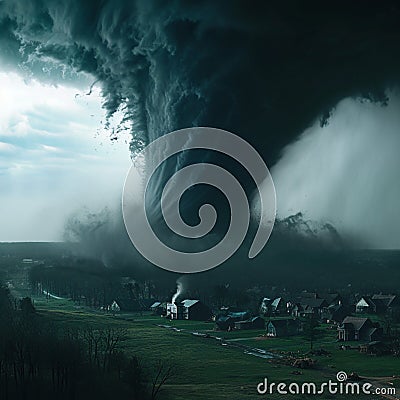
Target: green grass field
206,369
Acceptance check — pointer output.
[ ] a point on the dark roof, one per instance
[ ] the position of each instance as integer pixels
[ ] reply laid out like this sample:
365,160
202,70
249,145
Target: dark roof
335,307
313,303
356,322
337,312
130,305
223,318
251,320
374,343
371,331
309,295
283,323
147,302
387,299
380,304
330,297
255,319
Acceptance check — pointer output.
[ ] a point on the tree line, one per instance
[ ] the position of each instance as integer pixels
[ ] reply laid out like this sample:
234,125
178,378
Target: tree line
42,360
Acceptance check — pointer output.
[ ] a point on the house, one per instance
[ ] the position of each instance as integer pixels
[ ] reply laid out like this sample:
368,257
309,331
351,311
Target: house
335,313
158,308
114,307
283,327
365,305
127,305
189,309
252,323
227,322
313,306
355,328
309,306
265,306
278,306
389,301
368,305
174,311
196,310
332,298
297,310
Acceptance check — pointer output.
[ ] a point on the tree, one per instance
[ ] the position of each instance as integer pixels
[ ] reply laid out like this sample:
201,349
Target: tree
134,376
26,306
163,373
310,330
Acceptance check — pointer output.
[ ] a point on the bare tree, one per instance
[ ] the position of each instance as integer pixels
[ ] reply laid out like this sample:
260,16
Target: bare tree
163,373
112,337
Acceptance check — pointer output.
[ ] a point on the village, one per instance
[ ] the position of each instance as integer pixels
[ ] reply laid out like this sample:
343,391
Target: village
370,320
303,334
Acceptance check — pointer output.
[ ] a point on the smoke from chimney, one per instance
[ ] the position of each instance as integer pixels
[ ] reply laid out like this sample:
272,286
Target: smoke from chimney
179,291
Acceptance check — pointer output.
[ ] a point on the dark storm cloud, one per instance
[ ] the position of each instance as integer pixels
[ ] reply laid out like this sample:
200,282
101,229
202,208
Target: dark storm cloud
297,246
262,70
265,71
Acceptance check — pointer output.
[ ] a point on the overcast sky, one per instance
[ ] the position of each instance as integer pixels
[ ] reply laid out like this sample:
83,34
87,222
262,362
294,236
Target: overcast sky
55,158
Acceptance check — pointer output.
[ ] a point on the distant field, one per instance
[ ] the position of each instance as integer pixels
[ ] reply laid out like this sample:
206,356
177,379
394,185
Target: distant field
357,268
208,370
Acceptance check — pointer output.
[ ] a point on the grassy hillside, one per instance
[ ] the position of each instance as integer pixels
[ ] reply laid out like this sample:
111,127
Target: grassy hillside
207,369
